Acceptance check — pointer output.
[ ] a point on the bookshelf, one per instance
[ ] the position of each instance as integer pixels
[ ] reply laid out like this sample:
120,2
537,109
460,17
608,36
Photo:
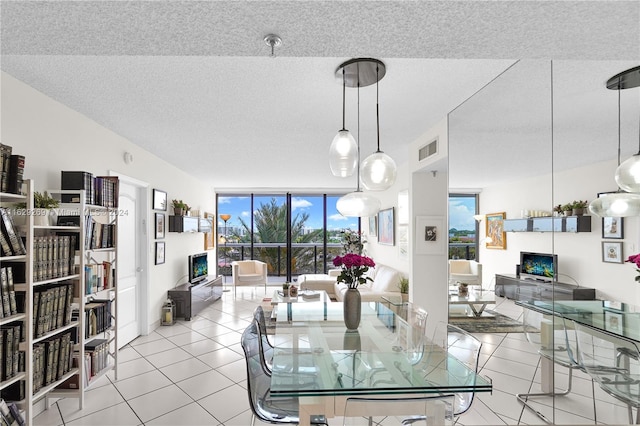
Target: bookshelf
14,311
65,287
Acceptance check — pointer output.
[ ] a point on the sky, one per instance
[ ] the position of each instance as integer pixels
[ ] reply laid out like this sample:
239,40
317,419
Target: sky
461,211
241,207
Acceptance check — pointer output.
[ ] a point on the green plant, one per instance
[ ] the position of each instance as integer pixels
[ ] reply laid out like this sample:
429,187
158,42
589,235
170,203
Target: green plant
567,207
558,208
404,285
44,201
179,204
579,204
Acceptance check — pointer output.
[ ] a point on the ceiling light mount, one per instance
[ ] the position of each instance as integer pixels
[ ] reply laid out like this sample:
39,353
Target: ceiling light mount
273,41
361,72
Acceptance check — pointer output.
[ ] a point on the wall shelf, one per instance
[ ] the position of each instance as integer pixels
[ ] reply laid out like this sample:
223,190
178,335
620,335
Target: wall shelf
571,224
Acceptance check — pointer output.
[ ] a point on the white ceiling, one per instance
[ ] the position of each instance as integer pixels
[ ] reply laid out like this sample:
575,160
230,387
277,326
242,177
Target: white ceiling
192,81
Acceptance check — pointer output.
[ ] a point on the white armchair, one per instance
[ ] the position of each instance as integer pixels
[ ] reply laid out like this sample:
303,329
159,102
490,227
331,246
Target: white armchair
465,272
248,272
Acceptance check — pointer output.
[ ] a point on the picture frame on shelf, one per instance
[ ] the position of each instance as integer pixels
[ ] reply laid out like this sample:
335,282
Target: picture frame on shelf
612,252
160,225
612,227
160,252
386,227
494,227
159,200
431,235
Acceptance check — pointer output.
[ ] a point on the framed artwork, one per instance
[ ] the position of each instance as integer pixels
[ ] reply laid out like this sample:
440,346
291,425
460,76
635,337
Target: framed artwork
403,207
159,225
612,227
613,304
403,241
613,321
209,237
373,226
386,227
431,235
159,200
494,223
159,252
612,252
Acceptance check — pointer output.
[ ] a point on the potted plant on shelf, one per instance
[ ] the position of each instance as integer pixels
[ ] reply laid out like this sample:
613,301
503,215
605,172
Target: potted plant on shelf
558,211
404,288
579,206
179,207
43,213
567,209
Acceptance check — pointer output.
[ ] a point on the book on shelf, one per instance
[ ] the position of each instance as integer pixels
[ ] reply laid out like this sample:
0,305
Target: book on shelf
12,290
8,228
14,392
98,351
51,308
9,414
5,155
4,288
77,180
16,173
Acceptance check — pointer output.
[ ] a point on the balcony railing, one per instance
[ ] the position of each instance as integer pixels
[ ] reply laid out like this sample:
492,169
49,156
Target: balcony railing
307,258
462,251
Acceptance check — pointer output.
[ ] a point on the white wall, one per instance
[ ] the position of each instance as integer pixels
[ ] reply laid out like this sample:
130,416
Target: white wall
579,254
53,138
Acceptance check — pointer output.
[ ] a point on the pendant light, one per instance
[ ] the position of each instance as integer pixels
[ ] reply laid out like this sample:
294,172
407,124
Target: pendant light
357,203
343,153
620,203
628,173
378,170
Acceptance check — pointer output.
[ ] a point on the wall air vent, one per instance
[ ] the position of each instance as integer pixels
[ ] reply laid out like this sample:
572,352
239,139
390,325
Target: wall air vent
428,150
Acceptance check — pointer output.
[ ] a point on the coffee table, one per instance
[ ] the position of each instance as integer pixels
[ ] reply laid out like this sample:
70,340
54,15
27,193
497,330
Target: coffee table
303,296
477,302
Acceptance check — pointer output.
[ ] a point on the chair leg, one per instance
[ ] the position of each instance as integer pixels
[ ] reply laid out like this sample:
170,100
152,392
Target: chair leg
523,397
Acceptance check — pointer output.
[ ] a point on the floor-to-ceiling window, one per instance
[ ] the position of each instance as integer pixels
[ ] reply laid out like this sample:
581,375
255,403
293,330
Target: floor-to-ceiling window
463,228
293,233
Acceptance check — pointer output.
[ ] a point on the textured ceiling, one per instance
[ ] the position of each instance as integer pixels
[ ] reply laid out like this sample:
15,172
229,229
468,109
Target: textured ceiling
178,77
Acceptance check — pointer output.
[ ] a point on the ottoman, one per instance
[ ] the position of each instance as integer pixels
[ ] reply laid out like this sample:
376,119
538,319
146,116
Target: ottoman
318,282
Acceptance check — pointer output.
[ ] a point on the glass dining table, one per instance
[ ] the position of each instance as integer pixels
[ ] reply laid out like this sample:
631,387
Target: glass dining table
617,319
319,361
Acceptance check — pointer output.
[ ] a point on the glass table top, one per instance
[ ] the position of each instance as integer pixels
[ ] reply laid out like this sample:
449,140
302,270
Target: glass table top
315,355
617,318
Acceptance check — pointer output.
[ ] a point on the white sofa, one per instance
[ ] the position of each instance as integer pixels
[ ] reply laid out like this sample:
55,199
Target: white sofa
465,272
386,282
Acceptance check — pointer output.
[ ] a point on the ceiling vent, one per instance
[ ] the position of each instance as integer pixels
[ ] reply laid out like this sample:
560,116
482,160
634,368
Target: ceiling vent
428,150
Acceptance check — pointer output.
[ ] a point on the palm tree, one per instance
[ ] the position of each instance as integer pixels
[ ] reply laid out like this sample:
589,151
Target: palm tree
270,220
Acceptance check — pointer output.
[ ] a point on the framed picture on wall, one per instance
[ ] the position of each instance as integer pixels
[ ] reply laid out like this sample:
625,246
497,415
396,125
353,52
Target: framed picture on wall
495,231
159,200
613,321
373,226
386,227
209,237
612,227
612,252
159,225
160,252
431,236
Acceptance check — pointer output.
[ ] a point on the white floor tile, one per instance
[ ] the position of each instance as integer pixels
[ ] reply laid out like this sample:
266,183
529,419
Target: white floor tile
145,339
94,400
184,369
141,384
218,403
202,347
186,338
127,354
160,402
192,414
220,357
235,371
172,330
204,384
228,339
171,356
154,347
131,369
120,414
48,417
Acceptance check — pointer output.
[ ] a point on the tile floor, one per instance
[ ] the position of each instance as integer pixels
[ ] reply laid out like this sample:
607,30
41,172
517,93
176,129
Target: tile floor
193,373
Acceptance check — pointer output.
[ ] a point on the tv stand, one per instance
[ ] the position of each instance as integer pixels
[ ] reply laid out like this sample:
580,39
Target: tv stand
514,287
190,299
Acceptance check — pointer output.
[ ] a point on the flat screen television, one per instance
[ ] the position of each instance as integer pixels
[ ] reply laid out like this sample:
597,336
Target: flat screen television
198,267
539,266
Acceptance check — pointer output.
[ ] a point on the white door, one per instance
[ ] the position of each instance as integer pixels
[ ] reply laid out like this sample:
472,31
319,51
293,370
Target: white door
131,235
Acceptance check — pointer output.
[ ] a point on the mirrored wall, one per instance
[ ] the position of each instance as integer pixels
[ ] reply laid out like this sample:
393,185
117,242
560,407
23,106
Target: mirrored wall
542,136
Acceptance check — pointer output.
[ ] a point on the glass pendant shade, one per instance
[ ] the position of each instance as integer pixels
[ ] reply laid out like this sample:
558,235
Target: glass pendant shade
343,154
358,204
378,172
628,174
619,204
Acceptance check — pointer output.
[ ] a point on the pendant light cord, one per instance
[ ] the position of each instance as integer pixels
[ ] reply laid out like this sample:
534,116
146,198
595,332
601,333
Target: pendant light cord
377,107
358,167
619,132
344,87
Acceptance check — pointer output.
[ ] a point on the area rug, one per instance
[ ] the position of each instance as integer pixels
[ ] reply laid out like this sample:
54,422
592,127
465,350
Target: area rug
497,324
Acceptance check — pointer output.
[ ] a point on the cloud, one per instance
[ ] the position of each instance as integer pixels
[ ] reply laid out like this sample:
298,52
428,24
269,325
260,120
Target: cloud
337,217
245,214
300,203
